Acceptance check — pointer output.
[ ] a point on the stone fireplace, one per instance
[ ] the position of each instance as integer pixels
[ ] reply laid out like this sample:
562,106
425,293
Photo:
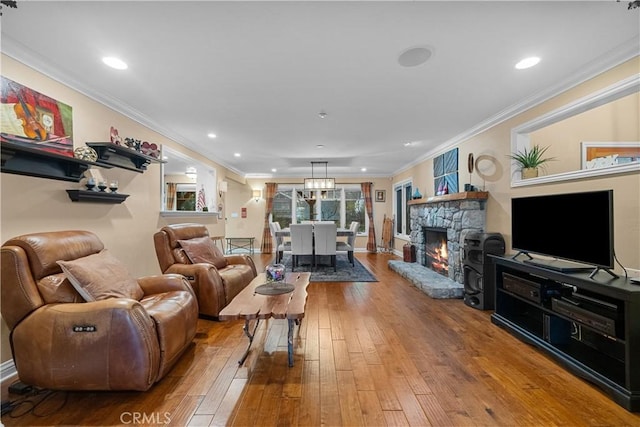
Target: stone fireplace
451,217
457,214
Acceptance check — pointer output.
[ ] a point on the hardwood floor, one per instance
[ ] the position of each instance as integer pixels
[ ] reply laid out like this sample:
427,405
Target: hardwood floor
372,354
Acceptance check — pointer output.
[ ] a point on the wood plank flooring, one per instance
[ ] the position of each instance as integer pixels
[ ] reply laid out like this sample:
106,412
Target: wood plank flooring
366,354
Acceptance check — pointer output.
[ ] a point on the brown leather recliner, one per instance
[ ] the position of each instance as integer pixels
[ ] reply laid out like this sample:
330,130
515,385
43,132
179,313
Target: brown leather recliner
61,342
216,282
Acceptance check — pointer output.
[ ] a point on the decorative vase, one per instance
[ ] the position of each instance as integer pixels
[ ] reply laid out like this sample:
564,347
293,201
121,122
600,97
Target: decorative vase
275,272
416,194
529,173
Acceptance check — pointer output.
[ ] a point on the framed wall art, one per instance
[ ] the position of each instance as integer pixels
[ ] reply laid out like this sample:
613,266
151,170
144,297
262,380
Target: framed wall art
30,118
445,173
380,195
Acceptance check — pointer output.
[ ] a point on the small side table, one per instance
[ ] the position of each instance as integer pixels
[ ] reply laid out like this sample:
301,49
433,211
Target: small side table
234,243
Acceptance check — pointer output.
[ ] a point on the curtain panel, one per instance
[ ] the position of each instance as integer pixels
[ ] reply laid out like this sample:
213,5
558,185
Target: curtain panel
171,196
371,239
267,244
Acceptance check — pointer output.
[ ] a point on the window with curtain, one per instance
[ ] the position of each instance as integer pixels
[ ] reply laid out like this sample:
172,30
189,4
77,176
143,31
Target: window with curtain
402,193
293,204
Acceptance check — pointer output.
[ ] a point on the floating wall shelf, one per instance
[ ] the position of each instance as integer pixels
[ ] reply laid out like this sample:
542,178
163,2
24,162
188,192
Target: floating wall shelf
113,155
96,196
23,160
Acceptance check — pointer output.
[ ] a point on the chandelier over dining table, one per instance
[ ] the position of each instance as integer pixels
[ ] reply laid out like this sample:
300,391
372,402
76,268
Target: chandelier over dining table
319,183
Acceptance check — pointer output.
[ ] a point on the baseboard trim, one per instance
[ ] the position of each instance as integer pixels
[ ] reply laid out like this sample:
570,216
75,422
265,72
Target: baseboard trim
7,371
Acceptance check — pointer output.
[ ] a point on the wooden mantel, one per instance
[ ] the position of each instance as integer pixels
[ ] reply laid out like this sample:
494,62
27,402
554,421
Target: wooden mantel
466,195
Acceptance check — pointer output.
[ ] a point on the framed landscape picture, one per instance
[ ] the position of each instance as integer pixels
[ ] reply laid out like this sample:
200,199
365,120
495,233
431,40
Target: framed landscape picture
30,118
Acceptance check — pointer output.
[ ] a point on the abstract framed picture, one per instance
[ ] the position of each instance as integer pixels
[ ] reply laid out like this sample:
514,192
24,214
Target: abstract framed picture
30,118
597,155
445,173
380,195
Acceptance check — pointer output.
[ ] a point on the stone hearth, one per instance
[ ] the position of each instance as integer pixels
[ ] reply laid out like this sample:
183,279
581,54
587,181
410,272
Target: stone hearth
428,281
459,214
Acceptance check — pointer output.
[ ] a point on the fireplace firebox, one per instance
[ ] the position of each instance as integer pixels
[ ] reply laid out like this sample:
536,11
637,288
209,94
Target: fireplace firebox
436,253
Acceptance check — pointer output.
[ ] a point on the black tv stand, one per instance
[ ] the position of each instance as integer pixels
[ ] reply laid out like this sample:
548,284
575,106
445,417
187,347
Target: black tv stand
591,329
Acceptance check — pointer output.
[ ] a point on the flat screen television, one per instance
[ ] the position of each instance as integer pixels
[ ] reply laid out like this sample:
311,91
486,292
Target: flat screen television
575,227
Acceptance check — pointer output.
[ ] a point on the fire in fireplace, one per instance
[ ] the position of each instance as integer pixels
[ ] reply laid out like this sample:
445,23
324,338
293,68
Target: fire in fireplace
436,254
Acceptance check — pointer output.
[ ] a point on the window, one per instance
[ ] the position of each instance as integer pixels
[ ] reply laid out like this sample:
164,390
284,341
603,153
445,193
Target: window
186,197
293,204
402,192
282,207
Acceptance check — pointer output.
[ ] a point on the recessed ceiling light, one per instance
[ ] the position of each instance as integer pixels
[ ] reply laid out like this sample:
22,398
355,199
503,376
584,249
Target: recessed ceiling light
236,154
363,169
415,56
274,170
211,135
527,62
114,62
322,114
319,146
407,144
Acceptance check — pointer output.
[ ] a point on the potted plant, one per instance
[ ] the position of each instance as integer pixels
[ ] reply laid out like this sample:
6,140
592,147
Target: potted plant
530,160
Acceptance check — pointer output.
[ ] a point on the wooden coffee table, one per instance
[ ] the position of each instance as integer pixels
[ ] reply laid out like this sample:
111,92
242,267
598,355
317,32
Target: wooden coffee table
251,306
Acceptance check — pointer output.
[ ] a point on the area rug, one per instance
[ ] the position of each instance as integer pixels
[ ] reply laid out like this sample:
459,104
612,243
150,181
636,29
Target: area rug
324,273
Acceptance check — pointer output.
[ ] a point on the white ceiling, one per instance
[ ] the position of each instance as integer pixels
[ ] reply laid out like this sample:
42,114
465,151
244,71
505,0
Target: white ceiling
258,73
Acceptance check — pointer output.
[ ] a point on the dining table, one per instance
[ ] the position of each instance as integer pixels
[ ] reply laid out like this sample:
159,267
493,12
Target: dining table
340,232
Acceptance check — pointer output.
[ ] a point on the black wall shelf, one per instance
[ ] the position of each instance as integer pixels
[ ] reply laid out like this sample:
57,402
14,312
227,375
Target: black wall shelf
113,155
30,161
96,196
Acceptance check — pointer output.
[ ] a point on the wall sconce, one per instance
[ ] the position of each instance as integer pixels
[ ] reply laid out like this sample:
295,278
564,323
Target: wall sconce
222,187
257,194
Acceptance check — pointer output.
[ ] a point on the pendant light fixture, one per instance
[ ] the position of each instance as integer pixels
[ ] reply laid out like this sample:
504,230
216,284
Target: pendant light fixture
314,183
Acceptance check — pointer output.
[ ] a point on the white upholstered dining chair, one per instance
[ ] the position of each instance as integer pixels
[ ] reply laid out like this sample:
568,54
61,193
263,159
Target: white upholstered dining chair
281,246
349,246
325,235
301,243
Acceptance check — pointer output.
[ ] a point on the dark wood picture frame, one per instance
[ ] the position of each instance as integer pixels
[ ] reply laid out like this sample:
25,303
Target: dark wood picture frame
380,195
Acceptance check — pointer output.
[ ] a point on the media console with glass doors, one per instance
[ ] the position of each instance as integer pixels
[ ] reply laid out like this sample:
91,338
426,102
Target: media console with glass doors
589,323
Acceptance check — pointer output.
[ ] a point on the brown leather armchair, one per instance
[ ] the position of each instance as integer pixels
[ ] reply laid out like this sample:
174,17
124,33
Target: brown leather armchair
60,341
217,281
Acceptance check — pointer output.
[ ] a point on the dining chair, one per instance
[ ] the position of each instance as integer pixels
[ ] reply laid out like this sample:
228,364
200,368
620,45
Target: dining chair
281,246
349,245
301,243
325,235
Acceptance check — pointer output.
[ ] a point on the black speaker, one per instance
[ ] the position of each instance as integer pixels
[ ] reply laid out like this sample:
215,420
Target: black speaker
478,268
